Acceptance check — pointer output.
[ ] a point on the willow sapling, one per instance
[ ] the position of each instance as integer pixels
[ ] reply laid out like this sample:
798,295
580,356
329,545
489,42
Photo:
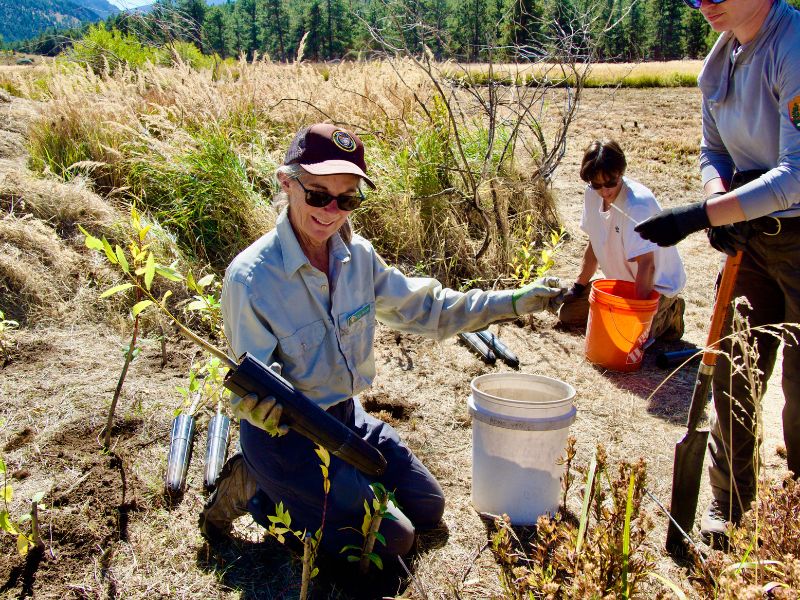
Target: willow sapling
530,262
138,265
248,375
369,528
281,524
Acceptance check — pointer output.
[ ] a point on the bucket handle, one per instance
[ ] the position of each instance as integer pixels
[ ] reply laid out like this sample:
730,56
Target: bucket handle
623,336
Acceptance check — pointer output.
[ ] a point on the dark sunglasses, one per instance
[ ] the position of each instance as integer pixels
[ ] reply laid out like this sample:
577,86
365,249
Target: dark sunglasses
608,184
697,3
319,199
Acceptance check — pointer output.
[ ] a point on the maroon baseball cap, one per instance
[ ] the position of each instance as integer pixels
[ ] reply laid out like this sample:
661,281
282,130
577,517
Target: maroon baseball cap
325,149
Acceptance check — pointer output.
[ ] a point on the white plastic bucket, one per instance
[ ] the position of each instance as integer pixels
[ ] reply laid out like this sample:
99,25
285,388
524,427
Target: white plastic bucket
520,424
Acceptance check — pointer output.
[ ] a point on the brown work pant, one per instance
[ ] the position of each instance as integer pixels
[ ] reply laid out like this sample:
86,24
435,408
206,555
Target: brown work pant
667,322
769,277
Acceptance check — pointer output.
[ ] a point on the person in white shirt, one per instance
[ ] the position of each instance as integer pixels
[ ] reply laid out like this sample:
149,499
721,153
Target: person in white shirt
613,205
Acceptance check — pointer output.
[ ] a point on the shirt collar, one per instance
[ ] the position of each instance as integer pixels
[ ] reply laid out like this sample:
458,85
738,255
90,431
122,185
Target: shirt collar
293,255
717,67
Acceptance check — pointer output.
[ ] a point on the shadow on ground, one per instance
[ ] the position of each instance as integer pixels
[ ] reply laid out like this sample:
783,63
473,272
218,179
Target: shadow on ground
267,570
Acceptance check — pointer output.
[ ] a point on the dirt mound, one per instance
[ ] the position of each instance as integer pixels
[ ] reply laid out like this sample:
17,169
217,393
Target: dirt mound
88,514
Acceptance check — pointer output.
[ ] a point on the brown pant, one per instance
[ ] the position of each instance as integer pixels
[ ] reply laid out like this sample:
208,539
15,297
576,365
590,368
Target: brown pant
667,322
769,277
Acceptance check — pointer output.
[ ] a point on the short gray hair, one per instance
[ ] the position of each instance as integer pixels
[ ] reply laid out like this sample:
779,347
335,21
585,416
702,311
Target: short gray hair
281,199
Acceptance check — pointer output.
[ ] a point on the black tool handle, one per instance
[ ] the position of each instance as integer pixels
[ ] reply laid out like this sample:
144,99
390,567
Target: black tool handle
476,344
216,448
180,453
303,416
499,348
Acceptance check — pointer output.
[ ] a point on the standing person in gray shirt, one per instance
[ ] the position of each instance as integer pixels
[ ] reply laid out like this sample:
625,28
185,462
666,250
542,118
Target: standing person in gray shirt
750,166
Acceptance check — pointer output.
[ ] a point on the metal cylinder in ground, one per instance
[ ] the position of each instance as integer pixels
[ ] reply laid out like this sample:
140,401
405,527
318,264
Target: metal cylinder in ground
477,345
180,453
499,348
216,448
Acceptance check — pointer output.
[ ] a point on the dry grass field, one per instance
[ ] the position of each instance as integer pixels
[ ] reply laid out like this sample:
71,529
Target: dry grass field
108,531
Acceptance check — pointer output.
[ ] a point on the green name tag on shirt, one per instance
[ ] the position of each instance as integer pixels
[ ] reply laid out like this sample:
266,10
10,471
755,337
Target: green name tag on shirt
358,315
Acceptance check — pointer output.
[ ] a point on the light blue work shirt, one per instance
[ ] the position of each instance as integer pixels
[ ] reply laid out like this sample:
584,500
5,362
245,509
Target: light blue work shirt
278,307
751,114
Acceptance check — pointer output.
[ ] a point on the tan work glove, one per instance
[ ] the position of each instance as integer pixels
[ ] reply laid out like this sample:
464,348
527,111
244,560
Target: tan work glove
265,413
544,293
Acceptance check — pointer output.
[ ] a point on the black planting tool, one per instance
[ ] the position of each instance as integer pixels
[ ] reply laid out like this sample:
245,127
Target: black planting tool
303,415
477,345
499,348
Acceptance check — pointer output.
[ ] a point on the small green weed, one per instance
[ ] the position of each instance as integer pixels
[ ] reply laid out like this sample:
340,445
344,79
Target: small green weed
26,539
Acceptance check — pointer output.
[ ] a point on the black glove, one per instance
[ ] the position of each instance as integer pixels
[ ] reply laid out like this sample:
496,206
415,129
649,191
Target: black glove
729,238
574,293
670,226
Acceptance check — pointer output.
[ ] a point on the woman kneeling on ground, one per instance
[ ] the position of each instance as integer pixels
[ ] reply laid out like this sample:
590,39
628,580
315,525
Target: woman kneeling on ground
307,296
613,205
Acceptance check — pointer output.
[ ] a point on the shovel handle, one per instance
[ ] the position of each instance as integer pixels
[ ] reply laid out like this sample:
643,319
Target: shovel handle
721,303
709,360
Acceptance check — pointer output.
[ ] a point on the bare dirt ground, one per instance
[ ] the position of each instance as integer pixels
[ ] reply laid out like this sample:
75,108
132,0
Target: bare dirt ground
110,534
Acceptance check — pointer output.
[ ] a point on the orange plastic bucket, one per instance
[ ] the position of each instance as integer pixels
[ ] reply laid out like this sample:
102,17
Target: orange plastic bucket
618,325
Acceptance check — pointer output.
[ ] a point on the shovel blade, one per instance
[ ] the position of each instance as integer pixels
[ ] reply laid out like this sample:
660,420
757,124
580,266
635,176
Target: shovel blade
688,469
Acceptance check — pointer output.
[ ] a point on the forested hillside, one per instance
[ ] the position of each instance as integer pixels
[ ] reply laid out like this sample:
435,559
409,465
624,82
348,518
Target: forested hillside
614,30
24,19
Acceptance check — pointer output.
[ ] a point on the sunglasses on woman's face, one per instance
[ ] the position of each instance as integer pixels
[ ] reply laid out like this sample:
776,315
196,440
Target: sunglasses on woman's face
319,199
608,184
697,3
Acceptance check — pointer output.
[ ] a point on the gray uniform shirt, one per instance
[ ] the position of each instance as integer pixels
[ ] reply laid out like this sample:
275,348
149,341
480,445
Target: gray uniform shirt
751,113
278,307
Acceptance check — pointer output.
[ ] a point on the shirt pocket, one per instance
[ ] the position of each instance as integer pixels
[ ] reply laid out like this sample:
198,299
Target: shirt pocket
303,345
357,333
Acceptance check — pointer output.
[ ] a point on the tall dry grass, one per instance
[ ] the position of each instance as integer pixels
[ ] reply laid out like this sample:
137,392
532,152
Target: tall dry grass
135,131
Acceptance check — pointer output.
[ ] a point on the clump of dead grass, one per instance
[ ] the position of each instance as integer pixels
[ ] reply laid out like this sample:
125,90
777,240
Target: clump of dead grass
36,269
64,205
764,549
600,554
134,130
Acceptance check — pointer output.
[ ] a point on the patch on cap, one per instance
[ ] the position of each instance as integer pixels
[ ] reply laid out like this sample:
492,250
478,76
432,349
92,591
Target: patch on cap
344,140
794,111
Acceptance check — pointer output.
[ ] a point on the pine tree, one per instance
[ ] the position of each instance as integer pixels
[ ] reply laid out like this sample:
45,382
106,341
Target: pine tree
273,28
635,32
666,29
247,29
192,14
696,31
214,31
470,27
312,25
525,27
